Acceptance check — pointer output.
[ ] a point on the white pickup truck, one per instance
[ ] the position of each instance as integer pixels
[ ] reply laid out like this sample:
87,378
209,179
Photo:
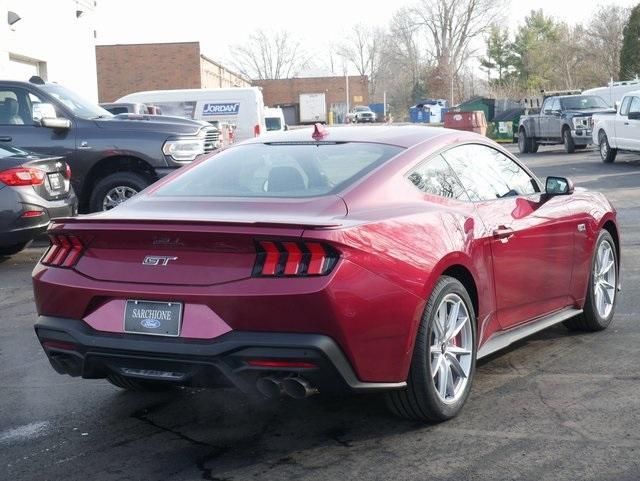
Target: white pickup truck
620,130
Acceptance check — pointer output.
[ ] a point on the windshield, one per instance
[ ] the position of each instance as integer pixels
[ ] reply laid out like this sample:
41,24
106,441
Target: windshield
362,109
273,123
280,170
80,107
583,102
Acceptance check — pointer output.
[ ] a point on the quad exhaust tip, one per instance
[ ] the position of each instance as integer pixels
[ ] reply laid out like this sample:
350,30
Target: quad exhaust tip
270,387
298,387
295,387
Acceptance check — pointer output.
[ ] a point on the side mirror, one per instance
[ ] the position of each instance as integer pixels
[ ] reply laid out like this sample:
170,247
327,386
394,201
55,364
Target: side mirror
55,123
557,113
634,115
286,127
558,186
617,104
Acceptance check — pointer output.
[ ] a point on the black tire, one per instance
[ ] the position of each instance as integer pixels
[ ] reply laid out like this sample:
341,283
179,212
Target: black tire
12,249
533,145
567,140
130,180
590,320
523,143
419,400
607,154
139,385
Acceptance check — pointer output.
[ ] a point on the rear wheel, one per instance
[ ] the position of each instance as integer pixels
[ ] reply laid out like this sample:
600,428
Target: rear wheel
115,189
444,357
607,154
12,249
523,143
600,303
139,384
567,140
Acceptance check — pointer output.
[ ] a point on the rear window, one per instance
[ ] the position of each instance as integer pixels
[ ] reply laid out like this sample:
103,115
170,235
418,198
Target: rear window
280,170
272,123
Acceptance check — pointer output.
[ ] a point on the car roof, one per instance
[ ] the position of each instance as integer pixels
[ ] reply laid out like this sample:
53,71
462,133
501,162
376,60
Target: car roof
399,135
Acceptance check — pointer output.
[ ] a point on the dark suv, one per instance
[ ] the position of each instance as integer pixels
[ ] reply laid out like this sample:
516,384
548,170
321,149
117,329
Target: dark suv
111,157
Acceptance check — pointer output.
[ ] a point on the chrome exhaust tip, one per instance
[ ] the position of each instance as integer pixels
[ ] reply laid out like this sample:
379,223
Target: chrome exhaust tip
298,387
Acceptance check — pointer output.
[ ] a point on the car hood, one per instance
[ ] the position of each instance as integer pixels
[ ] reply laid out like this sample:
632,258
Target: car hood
578,113
154,123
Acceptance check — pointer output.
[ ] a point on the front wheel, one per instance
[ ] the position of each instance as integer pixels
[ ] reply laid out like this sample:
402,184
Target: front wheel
600,303
444,357
567,140
115,189
607,154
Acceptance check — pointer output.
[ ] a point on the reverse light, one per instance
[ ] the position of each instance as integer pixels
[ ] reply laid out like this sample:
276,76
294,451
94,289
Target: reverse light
64,251
293,259
22,176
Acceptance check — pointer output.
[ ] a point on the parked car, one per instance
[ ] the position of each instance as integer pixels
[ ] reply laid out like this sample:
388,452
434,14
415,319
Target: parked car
242,107
274,119
619,130
112,158
562,120
385,259
33,190
362,113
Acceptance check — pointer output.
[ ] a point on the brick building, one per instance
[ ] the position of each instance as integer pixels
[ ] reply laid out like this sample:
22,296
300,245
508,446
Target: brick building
124,69
285,93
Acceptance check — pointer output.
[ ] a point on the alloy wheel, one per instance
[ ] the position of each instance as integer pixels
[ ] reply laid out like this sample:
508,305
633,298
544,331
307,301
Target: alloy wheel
604,279
604,149
451,347
117,196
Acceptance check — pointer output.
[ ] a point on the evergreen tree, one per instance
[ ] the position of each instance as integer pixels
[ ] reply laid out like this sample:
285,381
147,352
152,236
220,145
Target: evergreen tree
630,53
500,57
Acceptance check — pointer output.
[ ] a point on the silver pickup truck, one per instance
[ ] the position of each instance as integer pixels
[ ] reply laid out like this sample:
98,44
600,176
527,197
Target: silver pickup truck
562,120
619,130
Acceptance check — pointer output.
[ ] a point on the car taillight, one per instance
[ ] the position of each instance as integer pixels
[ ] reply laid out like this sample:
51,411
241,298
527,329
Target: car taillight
67,171
64,251
22,176
293,259
256,130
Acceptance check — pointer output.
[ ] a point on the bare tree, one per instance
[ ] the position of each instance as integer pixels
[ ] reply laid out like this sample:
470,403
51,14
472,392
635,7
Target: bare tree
605,37
362,49
452,27
269,55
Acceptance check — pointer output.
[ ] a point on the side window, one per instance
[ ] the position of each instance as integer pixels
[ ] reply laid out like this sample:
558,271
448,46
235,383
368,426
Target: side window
436,177
635,105
546,106
14,108
487,174
555,105
624,109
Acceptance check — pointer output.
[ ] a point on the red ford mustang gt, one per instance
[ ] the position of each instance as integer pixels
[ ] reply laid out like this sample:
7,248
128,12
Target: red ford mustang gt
381,259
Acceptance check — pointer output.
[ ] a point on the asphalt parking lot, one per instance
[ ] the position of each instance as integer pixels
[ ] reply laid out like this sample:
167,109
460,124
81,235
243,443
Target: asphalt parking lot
557,406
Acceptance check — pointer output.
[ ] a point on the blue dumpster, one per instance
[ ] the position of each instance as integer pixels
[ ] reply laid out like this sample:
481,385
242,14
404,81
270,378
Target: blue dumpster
418,114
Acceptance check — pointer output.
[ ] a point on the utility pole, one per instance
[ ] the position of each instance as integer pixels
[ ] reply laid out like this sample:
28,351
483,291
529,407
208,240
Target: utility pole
346,77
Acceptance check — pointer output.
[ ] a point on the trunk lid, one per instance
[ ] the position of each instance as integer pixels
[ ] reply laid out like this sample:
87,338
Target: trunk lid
197,243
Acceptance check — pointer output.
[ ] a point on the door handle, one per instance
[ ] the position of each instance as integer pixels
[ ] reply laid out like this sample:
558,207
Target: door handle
626,123
503,233
5,138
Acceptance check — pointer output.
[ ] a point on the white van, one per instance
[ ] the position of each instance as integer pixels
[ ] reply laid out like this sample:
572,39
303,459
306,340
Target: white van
614,92
241,107
274,119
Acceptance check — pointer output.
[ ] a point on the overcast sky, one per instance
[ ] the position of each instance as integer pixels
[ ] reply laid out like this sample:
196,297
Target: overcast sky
219,23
